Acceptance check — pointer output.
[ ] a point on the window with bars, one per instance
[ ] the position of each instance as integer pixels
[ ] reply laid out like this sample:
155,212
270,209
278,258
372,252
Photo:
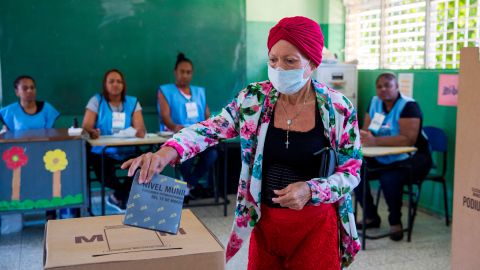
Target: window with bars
363,34
403,34
454,24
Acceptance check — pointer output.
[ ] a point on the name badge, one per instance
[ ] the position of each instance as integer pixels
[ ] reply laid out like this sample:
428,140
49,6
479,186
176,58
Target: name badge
376,122
118,121
192,109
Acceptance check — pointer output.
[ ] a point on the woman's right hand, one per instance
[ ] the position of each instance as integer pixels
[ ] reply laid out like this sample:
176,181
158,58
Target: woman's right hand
94,133
367,138
177,128
150,163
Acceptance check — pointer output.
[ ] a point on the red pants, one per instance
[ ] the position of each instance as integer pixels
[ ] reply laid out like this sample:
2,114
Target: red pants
291,239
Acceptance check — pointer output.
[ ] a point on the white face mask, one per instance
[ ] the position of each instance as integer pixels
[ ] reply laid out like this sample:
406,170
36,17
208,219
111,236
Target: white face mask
287,82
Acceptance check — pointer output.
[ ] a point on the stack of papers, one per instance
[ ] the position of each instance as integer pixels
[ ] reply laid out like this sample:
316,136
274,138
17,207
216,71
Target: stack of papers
126,133
75,131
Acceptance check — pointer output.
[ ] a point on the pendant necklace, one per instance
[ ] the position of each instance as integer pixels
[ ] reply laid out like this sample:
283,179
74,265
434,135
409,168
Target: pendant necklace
290,120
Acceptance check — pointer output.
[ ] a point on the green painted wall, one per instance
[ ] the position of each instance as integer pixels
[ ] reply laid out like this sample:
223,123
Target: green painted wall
425,92
333,26
64,73
257,34
68,45
336,39
274,10
263,15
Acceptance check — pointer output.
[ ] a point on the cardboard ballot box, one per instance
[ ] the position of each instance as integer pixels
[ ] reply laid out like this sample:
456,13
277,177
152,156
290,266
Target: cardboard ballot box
105,243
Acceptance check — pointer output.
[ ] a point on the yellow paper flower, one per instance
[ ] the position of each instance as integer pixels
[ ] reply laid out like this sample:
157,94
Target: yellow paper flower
55,160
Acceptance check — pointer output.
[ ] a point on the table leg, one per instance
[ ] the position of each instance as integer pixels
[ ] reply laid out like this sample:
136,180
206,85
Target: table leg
103,181
225,179
410,200
216,181
89,191
364,216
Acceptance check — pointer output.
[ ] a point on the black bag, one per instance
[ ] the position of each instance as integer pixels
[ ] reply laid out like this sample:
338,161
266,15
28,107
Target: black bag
328,161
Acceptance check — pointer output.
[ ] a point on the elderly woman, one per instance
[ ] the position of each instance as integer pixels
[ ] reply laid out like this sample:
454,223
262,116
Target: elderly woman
392,119
296,218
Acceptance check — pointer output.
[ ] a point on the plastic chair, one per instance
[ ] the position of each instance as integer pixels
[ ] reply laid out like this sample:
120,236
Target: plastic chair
438,143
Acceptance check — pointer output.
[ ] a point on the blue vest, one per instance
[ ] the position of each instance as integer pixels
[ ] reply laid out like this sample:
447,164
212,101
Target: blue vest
104,117
390,125
15,118
104,123
177,101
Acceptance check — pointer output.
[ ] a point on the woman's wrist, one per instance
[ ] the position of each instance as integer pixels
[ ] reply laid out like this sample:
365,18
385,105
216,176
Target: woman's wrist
177,128
168,152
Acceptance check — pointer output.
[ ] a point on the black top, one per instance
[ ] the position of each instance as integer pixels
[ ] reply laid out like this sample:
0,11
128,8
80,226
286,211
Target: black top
282,166
39,104
412,110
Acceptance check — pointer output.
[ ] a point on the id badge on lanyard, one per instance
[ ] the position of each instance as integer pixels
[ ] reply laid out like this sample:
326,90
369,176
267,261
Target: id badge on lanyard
376,123
118,121
192,110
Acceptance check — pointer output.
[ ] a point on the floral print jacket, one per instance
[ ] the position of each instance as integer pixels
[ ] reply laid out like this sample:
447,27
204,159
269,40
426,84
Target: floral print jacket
248,116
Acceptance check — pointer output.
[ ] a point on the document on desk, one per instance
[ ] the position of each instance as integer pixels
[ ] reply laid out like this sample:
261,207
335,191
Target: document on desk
156,205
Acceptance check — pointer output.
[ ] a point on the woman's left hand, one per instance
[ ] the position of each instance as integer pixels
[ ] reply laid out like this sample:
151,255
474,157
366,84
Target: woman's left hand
294,196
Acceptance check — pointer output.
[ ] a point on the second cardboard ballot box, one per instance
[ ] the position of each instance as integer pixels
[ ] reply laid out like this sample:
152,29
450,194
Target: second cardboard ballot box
105,243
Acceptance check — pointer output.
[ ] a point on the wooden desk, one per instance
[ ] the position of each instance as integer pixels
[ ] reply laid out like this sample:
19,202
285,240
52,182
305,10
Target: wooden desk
113,141
42,169
379,151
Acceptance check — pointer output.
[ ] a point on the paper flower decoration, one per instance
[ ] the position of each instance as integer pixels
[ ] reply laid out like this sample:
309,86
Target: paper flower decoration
55,162
15,159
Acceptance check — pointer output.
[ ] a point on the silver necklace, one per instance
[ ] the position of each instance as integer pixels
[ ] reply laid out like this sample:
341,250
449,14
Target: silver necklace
290,120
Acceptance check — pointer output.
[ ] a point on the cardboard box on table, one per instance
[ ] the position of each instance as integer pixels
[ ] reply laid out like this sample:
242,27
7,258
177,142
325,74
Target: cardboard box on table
105,243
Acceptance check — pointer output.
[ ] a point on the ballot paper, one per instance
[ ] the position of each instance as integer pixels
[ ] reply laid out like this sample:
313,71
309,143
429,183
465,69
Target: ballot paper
156,205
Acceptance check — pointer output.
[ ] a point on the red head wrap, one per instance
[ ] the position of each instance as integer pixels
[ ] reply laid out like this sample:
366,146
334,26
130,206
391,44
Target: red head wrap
303,33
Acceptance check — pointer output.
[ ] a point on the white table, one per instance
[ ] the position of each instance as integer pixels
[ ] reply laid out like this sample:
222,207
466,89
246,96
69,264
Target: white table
378,151
114,141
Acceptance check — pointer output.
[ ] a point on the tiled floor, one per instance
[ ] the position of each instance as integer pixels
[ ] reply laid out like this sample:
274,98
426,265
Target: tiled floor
429,249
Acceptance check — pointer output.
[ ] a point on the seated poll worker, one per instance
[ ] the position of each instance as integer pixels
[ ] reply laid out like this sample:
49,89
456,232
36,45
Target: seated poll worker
296,219
392,119
182,104
106,114
28,113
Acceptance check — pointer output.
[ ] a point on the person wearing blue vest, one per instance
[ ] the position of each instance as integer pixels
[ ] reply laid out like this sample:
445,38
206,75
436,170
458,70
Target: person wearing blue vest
28,112
180,105
392,119
107,114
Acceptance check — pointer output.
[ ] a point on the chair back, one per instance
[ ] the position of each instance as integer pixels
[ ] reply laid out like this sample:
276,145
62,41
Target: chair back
436,138
438,142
